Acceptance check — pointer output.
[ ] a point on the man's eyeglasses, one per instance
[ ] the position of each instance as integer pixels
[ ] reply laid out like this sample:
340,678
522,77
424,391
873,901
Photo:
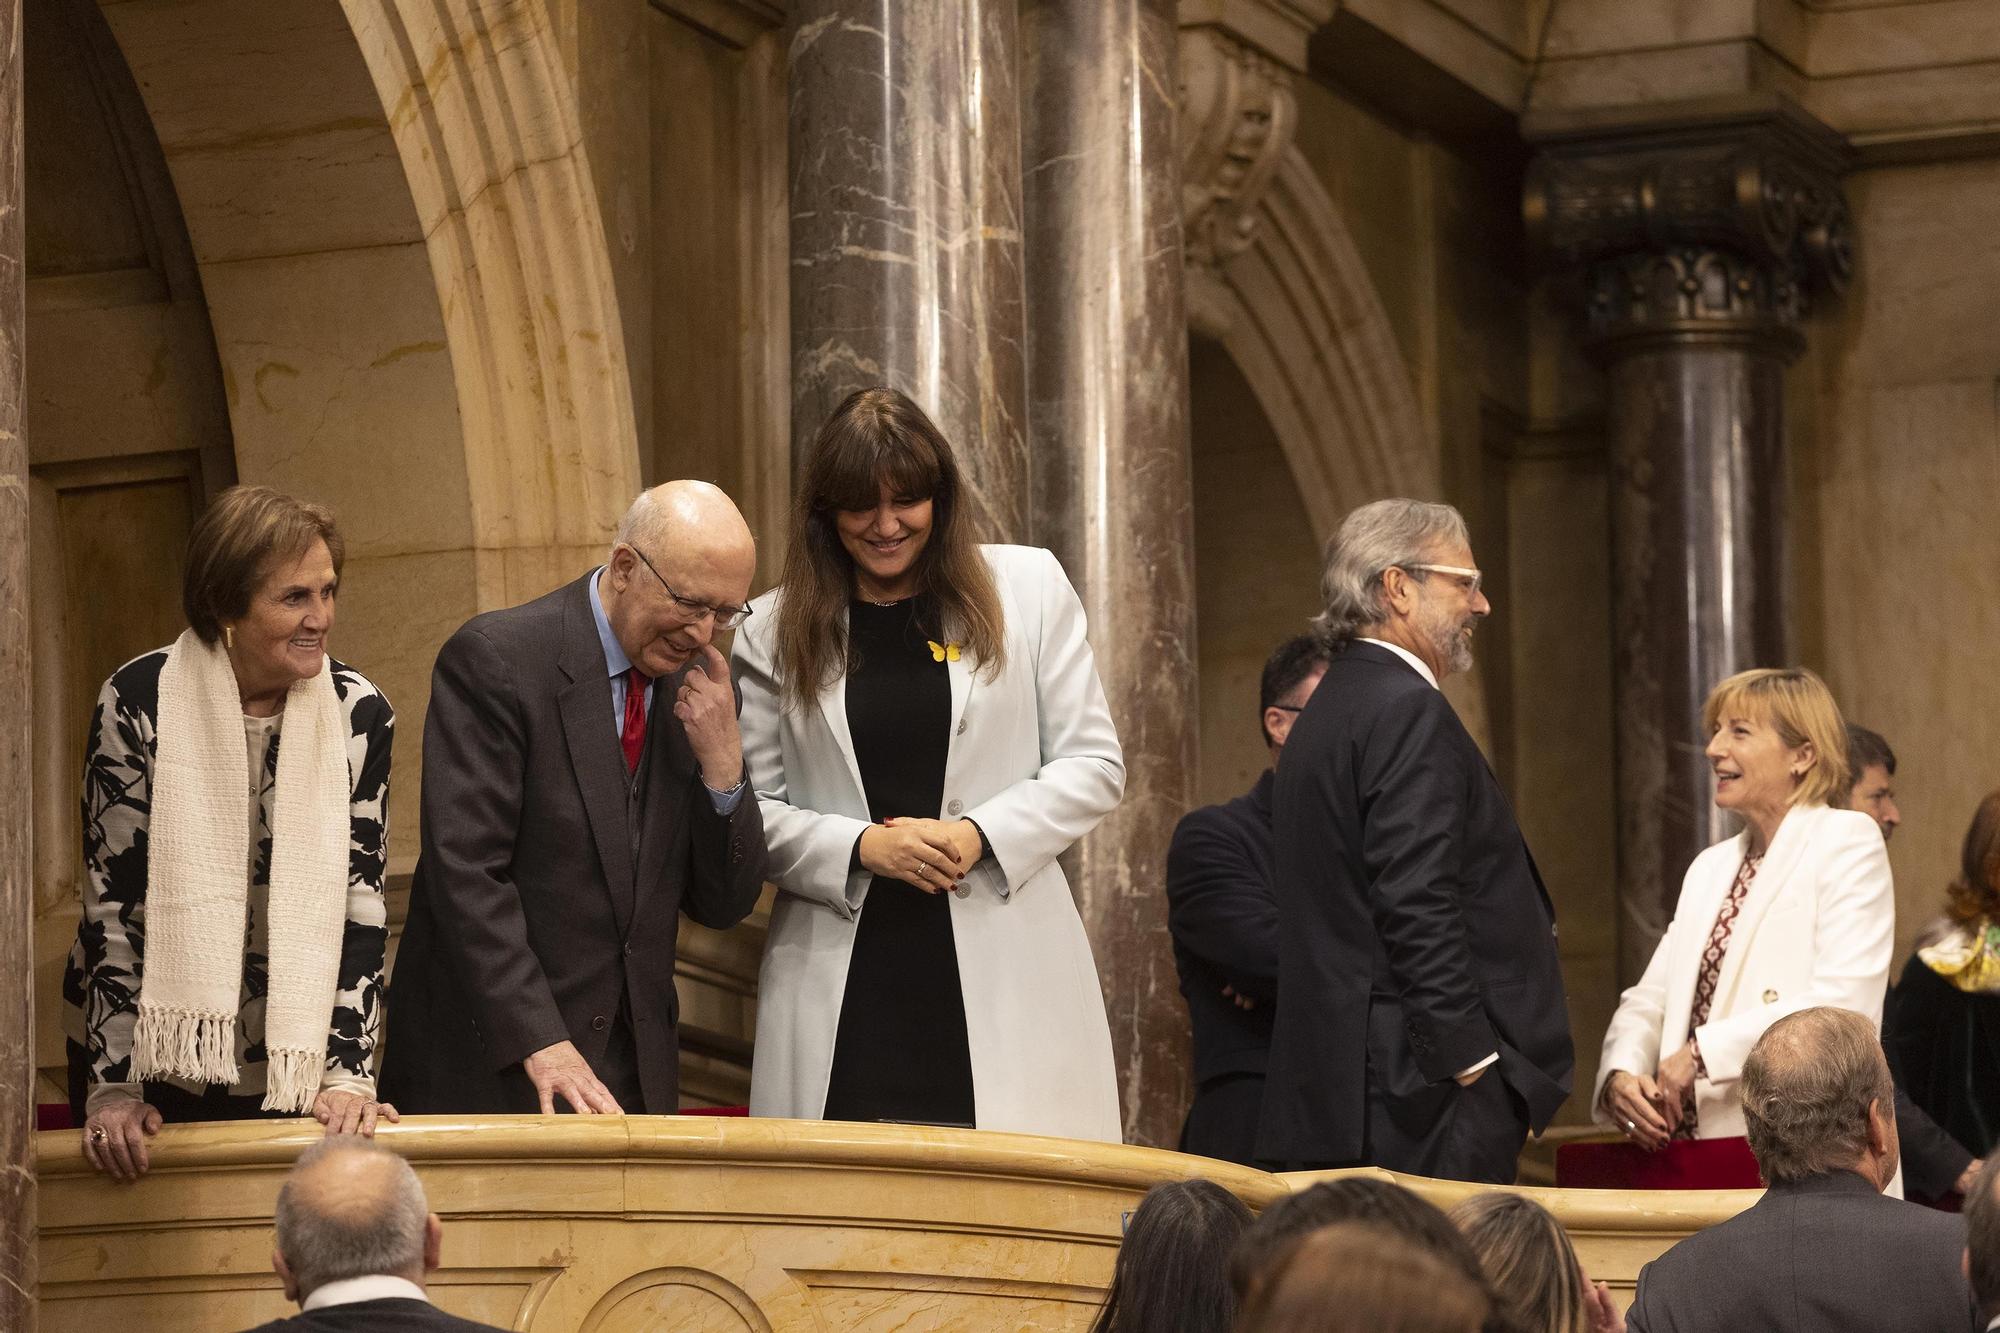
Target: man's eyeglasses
1471,576
726,617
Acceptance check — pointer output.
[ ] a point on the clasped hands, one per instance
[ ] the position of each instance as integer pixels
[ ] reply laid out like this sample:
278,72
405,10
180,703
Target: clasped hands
931,854
1649,1110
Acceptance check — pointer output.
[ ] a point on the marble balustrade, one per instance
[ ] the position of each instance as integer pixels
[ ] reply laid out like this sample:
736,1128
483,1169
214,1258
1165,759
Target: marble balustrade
692,1223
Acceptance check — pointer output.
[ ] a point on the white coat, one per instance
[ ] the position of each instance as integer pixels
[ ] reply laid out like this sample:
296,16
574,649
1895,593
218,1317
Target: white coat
1817,928
1033,759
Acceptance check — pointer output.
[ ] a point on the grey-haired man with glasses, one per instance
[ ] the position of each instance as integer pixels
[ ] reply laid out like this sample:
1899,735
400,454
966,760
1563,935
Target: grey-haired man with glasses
1422,1026
583,787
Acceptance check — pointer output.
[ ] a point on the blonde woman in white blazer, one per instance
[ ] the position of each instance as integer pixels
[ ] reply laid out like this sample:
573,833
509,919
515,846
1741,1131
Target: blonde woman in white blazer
1813,925
924,727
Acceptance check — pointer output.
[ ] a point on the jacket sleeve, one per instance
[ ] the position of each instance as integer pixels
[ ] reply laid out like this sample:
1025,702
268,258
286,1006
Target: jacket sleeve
102,978
811,853
1852,944
1414,793
1082,774
1219,908
727,856
475,755
357,1003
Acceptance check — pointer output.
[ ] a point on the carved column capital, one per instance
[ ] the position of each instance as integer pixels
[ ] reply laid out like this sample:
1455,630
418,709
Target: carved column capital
1236,119
1718,226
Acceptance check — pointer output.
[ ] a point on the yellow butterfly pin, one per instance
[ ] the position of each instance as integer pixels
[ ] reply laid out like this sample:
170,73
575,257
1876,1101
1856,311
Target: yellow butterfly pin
943,652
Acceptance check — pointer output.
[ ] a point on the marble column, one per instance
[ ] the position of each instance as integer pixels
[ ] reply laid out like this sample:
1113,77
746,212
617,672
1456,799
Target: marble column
906,228
1108,421
17,898
1696,245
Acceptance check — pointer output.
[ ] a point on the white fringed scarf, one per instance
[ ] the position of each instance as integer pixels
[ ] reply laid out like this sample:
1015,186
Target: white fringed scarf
197,851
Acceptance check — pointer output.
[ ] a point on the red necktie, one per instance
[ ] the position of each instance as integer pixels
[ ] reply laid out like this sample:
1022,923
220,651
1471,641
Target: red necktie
633,734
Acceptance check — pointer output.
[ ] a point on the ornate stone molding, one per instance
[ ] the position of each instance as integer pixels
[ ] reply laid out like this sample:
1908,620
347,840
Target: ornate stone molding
1236,120
1717,224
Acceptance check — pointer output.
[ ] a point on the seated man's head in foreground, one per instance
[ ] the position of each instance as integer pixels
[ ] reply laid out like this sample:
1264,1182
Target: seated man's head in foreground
1363,1277
1817,1098
352,1208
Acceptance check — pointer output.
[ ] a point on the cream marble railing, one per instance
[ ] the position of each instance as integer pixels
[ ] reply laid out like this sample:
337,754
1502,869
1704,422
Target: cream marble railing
689,1223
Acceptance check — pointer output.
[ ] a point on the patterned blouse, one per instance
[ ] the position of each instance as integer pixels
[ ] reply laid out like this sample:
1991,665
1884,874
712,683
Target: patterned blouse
102,979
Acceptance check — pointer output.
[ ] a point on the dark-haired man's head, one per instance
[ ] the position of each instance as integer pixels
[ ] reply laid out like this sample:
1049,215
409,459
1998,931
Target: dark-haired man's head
1353,1199
1291,674
1817,1098
1872,772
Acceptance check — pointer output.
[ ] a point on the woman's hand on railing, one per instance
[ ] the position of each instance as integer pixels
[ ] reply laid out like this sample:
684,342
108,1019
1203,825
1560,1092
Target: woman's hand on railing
115,1134
351,1113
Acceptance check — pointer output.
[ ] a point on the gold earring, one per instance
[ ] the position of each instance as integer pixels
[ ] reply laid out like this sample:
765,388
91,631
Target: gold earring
228,637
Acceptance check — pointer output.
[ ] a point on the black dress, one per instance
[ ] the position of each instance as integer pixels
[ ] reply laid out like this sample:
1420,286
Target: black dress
900,1052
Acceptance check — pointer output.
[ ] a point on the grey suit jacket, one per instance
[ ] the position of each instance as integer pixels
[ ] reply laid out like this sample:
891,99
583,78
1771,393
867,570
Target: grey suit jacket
1822,1255
550,885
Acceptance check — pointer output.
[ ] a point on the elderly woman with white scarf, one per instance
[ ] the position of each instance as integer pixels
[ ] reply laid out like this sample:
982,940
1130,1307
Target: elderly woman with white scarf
229,961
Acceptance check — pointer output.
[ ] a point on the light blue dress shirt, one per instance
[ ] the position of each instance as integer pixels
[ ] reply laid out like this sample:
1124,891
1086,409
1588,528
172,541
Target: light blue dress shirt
620,666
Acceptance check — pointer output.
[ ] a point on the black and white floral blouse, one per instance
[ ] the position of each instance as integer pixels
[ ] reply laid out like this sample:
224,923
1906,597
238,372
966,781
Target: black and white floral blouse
101,981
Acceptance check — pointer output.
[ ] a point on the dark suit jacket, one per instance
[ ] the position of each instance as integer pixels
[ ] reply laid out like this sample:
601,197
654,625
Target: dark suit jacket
1821,1255
1932,1159
1223,915
549,886
1415,937
385,1316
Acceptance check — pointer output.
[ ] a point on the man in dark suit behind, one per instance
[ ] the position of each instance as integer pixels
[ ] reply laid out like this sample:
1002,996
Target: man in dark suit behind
356,1239
583,786
1823,1251
1421,1023
1223,914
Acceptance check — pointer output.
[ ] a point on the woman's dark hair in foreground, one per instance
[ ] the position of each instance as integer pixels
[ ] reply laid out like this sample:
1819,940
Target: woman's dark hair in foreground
1173,1269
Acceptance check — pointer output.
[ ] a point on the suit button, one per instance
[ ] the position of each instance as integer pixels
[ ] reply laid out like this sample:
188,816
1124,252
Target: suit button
961,891
599,1023
954,807
1770,997
961,727
628,950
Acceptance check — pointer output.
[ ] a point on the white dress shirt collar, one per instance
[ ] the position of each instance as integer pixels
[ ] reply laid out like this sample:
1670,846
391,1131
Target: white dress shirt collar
372,1287
1408,656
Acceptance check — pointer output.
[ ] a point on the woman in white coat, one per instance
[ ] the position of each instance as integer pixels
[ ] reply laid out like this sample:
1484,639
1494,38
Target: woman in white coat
1795,911
923,724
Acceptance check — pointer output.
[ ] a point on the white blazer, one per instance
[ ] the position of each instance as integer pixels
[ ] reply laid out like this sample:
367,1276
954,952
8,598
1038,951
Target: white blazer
1817,928
1034,761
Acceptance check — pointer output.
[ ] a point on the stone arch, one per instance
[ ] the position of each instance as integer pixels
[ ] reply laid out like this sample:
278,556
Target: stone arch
396,233
1298,313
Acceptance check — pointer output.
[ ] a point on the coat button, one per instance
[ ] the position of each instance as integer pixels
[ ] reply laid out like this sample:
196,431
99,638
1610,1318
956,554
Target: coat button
954,807
599,1023
628,950
961,727
1770,997
961,891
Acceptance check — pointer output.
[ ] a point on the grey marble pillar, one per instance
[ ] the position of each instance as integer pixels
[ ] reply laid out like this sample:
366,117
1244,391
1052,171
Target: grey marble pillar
1108,416
17,897
906,227
1696,244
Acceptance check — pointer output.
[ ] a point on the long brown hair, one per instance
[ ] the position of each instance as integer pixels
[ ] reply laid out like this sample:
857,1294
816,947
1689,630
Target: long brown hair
1530,1265
1975,895
877,437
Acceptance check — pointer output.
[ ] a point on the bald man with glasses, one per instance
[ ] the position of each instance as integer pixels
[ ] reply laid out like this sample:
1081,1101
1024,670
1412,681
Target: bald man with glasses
583,787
